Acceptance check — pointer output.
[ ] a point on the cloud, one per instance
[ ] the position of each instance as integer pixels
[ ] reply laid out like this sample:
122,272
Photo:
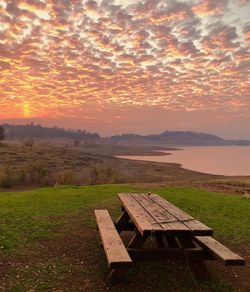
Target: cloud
242,2
210,7
247,34
67,58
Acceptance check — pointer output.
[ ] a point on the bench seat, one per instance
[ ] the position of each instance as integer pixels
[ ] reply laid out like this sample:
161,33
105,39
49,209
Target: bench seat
116,253
219,251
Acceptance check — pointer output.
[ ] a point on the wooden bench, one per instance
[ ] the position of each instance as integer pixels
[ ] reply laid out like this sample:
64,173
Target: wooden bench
116,253
219,251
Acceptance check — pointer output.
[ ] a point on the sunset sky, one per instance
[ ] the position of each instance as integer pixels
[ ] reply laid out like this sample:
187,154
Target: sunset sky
127,65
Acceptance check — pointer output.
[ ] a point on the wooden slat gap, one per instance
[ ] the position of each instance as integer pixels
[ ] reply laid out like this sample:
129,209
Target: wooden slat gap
201,230
165,222
144,226
165,208
156,223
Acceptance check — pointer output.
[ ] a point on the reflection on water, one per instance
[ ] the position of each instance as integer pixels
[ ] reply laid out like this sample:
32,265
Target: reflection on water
223,160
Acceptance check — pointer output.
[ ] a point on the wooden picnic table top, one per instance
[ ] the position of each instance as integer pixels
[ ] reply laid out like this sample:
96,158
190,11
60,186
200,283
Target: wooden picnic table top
151,213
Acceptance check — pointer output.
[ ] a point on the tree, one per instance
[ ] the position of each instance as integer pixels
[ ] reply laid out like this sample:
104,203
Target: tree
77,143
2,136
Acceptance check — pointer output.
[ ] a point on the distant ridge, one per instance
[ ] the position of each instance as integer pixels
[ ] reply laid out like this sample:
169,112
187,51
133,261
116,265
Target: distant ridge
38,131
185,138
167,138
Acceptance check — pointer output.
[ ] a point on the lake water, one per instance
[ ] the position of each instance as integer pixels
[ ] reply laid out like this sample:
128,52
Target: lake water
222,160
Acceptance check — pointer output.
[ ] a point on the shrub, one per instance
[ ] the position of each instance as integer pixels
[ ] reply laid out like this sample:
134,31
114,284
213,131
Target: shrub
65,177
35,172
104,174
93,176
6,178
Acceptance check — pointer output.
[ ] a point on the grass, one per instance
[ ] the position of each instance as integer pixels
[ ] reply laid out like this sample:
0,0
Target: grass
26,216
35,218
227,215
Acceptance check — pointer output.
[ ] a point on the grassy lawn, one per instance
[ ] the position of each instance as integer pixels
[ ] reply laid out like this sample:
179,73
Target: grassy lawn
36,225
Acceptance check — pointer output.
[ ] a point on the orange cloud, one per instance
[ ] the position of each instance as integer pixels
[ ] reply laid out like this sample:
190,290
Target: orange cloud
57,59
209,7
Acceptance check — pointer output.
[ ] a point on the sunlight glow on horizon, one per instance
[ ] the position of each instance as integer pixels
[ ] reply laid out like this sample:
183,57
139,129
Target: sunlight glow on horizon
26,109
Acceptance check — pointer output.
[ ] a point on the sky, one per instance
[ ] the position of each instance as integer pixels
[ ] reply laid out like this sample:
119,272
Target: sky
123,66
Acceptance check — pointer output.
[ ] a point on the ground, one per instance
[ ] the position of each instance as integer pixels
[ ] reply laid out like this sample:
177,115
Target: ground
49,241
59,162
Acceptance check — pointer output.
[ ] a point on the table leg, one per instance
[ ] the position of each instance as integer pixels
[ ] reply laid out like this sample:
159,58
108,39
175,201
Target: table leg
137,240
159,240
122,221
172,242
117,273
198,267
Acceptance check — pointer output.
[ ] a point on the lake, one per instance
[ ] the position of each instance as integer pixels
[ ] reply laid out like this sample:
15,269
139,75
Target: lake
222,160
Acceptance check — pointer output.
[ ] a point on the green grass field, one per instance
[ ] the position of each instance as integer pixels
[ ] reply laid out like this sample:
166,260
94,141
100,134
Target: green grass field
26,216
45,215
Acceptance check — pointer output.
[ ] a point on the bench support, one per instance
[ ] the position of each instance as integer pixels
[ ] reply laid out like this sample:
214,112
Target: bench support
172,242
198,267
137,240
122,222
160,240
163,254
117,273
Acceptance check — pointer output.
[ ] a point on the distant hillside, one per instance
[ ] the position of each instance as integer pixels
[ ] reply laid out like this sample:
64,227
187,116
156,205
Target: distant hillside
176,138
38,131
165,139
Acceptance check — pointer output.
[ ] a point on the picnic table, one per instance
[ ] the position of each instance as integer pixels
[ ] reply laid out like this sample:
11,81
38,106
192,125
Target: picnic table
178,236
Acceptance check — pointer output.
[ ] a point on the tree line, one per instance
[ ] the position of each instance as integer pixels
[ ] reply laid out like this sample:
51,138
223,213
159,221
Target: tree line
38,131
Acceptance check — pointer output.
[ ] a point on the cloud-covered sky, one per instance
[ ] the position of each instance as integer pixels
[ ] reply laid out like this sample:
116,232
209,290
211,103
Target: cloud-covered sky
127,65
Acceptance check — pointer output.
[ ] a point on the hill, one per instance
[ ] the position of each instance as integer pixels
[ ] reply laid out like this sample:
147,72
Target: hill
176,138
167,138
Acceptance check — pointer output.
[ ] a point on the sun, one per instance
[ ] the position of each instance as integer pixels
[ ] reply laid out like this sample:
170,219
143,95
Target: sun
26,109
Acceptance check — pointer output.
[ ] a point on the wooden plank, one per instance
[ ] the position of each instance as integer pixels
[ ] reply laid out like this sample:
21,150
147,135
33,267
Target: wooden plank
167,221
219,251
194,225
116,253
172,209
144,222
175,254
198,228
176,228
160,214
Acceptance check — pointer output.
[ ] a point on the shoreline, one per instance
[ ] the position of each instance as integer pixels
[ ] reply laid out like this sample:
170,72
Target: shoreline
216,163
79,164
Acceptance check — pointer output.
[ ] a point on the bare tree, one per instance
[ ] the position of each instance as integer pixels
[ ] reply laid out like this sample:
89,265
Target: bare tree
77,143
28,144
